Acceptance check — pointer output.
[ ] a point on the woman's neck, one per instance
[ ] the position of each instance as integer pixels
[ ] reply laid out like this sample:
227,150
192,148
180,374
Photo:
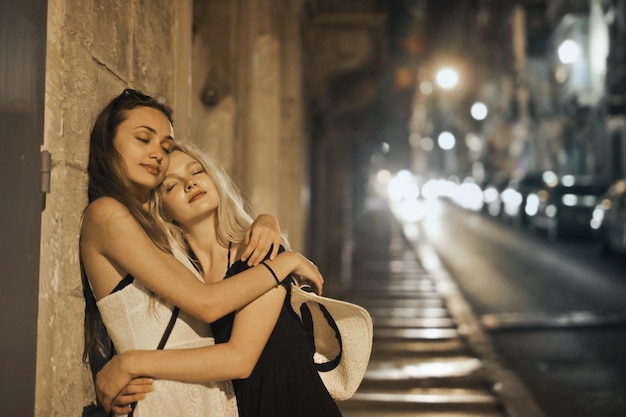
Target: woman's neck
213,256
143,196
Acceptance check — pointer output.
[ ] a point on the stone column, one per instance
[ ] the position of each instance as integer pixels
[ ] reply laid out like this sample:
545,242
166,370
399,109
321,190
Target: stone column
293,190
94,51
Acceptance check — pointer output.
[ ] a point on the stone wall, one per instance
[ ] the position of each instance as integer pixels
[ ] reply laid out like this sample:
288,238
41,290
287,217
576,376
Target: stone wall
95,49
245,51
247,102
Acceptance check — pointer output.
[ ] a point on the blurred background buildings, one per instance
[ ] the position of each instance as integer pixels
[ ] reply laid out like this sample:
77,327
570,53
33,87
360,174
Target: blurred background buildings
536,85
478,91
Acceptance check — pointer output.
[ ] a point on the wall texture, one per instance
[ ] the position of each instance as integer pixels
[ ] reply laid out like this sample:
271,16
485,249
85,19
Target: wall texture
247,102
231,71
95,49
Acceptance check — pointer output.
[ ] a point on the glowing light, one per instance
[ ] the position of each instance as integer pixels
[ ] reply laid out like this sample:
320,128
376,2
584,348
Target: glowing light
427,144
550,178
568,180
532,204
479,111
490,195
512,201
411,231
404,175
447,78
402,187
411,210
426,87
446,140
597,217
473,142
431,190
569,52
432,222
469,196
383,176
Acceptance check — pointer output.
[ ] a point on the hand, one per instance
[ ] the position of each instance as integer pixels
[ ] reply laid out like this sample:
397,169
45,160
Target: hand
111,380
263,235
308,271
135,391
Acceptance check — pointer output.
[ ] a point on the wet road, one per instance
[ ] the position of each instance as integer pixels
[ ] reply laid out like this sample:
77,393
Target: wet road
555,312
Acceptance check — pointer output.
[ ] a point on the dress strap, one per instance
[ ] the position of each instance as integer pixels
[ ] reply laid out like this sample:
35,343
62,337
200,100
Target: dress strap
230,245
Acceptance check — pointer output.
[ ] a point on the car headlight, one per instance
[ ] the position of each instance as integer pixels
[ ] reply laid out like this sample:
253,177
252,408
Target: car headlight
597,217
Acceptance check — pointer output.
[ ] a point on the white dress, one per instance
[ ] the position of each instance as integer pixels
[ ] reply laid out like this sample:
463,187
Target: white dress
135,319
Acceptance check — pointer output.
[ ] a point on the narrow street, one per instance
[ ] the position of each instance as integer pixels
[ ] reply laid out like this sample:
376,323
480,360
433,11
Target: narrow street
553,311
430,357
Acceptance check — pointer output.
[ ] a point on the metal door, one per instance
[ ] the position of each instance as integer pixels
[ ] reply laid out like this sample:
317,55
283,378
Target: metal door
22,75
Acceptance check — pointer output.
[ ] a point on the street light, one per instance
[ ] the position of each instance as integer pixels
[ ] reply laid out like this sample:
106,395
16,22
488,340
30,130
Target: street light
568,51
446,140
447,78
479,111
426,144
426,87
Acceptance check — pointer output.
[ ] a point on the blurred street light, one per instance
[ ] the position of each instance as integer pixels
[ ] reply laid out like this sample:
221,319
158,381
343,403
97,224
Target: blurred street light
569,52
479,111
446,140
473,142
447,78
426,144
426,87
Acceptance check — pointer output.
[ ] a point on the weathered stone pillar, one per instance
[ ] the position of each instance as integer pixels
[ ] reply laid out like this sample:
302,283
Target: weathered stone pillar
247,102
261,116
343,55
294,182
95,49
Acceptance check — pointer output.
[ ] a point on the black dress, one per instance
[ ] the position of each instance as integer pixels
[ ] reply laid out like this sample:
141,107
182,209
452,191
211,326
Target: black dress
284,382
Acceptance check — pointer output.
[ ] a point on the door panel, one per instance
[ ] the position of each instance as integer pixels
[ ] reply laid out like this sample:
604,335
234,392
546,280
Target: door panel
22,75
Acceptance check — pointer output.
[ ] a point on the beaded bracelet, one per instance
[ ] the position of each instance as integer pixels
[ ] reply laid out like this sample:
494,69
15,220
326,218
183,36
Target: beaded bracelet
272,271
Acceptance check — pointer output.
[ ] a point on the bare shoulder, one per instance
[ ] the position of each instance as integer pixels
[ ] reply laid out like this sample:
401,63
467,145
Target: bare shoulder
106,223
104,218
103,210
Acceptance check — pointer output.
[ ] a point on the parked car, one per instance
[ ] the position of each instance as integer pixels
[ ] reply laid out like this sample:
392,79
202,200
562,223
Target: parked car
564,206
609,218
515,194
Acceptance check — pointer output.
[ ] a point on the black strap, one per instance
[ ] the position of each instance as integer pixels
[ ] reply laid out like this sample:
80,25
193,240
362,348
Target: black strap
307,323
230,245
168,329
166,335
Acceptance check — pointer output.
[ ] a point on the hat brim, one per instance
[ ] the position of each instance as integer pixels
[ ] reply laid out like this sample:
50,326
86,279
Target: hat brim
356,330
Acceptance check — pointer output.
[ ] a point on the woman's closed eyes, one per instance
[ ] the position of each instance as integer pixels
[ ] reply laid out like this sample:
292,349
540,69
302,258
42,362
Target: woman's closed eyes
195,168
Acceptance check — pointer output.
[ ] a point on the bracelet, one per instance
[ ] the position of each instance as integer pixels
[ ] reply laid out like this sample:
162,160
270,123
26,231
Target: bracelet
272,271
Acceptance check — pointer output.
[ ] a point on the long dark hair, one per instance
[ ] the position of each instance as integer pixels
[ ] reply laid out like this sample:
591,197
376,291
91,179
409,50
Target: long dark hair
107,177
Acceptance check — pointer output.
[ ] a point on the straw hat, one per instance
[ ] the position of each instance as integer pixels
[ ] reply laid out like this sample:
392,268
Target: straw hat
340,334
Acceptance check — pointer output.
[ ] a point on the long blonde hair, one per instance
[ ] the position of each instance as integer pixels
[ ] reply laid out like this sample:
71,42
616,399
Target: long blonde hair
234,215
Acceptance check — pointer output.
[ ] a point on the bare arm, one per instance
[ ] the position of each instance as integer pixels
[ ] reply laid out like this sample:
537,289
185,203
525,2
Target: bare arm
113,244
235,359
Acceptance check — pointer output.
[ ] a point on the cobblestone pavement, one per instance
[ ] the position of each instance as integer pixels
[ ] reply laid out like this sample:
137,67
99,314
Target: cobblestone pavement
428,358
